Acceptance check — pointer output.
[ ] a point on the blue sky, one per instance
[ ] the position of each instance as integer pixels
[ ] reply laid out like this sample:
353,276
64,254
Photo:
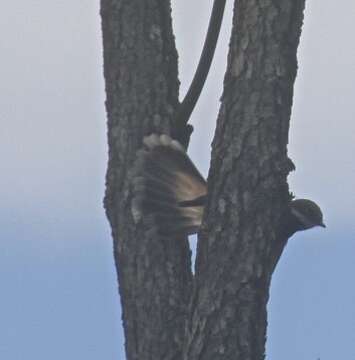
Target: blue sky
59,292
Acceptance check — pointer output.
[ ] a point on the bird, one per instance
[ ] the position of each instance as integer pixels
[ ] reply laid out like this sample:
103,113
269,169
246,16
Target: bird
170,193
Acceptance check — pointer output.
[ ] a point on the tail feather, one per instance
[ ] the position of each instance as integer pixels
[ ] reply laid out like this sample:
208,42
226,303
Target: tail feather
165,182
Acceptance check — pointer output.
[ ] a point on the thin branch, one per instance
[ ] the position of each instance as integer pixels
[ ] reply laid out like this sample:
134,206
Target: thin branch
188,104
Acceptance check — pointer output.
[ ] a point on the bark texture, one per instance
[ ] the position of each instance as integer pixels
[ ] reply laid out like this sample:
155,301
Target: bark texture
239,242
140,68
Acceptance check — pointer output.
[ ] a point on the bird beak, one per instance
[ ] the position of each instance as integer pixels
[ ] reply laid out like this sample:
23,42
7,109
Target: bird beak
322,225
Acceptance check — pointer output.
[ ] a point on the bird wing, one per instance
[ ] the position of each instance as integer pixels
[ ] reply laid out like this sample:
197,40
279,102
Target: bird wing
164,179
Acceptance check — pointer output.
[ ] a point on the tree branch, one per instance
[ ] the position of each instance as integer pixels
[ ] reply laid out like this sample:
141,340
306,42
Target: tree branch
239,242
140,68
188,104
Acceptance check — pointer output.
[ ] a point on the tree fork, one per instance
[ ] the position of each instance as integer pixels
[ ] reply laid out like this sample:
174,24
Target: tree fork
240,239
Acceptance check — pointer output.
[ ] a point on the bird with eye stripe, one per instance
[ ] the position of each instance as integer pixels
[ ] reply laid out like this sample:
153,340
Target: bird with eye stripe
170,193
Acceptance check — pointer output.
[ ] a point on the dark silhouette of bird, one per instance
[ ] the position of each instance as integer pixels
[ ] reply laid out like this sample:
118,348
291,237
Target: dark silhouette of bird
170,193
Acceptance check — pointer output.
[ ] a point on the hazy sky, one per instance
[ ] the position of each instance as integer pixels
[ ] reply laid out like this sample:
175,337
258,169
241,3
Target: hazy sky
59,292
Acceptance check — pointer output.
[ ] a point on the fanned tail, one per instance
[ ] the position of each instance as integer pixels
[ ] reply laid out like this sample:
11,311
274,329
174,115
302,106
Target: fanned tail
165,185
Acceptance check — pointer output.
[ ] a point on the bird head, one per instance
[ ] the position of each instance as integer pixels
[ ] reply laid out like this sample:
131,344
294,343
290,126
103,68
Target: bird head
307,213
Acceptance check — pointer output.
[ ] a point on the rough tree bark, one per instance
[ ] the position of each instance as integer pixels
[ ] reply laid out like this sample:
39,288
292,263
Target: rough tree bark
140,68
240,240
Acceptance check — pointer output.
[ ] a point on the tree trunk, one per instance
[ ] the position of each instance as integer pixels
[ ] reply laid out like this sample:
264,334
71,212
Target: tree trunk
240,241
140,68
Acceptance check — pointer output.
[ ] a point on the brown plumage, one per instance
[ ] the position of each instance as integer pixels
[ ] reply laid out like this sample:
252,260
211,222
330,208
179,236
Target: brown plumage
165,177
169,193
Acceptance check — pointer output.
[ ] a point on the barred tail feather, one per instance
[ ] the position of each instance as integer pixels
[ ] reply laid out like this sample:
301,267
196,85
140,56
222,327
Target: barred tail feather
164,182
